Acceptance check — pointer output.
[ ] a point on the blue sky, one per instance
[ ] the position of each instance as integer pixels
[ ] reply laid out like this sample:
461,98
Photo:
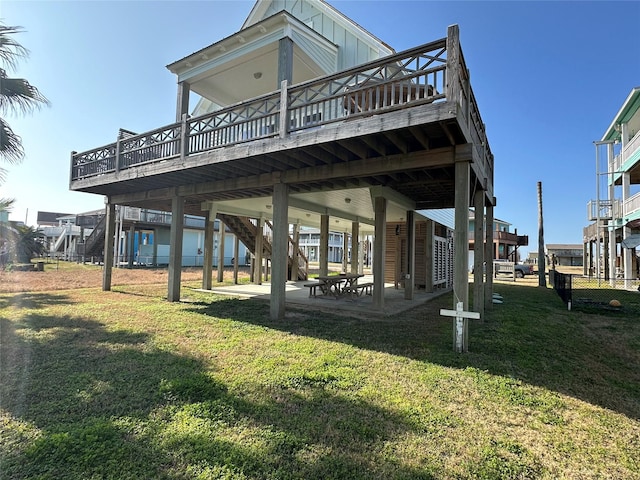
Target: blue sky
548,77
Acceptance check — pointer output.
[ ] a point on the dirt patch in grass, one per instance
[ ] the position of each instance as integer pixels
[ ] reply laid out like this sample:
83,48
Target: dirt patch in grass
65,276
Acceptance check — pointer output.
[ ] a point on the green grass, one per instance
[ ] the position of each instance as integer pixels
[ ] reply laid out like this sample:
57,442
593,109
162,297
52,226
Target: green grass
123,384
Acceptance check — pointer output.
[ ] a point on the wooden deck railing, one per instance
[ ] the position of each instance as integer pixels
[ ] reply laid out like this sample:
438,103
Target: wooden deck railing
430,73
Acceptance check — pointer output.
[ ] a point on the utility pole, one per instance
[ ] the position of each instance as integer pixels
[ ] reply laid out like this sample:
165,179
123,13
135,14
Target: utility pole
542,280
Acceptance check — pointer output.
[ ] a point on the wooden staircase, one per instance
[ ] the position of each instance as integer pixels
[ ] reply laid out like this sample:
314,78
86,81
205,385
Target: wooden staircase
247,231
94,244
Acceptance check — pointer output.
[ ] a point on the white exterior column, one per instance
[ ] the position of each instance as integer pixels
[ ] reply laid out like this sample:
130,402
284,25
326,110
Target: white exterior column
280,250
626,233
613,247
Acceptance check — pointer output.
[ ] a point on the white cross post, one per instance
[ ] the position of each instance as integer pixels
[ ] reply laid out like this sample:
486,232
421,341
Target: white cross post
460,326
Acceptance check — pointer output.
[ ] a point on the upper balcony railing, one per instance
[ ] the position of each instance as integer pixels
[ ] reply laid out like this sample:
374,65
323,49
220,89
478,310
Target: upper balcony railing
434,72
608,210
629,149
632,205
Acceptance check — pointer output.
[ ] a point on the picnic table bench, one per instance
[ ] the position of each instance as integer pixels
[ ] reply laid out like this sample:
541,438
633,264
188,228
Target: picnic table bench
312,287
336,285
359,289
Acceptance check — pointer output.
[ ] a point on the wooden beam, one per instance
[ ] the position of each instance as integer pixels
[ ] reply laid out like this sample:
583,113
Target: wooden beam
358,168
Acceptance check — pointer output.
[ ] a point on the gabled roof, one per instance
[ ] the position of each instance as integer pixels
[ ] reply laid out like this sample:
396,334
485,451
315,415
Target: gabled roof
261,7
630,106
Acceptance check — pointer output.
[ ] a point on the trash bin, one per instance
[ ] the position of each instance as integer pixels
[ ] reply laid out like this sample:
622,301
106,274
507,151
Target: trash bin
40,266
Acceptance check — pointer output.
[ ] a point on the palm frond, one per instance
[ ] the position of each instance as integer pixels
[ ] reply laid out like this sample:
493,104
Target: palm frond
10,50
10,144
19,96
6,204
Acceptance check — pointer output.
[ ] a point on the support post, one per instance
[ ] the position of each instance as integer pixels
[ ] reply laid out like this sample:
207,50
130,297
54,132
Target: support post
461,246
379,245
257,264
409,280
280,250
323,257
207,261
478,252
182,103
488,256
236,256
131,245
355,244
295,254
109,237
175,248
221,235
429,256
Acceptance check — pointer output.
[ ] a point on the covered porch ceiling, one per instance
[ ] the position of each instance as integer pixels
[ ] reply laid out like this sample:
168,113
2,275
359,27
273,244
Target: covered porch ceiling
245,64
343,207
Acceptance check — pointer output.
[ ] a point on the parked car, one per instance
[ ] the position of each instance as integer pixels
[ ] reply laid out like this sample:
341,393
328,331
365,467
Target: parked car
520,269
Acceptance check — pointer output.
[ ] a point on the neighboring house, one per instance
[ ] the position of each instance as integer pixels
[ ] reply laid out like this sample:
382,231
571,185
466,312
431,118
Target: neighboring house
60,233
505,242
610,242
304,118
143,238
564,255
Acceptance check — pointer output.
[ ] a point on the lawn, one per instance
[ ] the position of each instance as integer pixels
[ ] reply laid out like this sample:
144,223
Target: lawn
123,384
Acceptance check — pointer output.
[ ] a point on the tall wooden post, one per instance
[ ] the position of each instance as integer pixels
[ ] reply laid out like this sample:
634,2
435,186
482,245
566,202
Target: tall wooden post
182,103
488,256
280,250
478,252
236,256
461,243
207,261
257,264
175,248
109,238
323,257
295,254
221,240
379,247
410,280
542,279
355,244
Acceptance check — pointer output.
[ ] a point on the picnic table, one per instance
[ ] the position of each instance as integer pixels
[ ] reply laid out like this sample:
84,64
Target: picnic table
335,285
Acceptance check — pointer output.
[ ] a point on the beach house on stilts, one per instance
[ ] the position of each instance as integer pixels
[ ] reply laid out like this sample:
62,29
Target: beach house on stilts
305,118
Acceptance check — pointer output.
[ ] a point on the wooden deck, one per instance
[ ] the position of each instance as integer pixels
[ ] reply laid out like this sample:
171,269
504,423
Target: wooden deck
401,122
